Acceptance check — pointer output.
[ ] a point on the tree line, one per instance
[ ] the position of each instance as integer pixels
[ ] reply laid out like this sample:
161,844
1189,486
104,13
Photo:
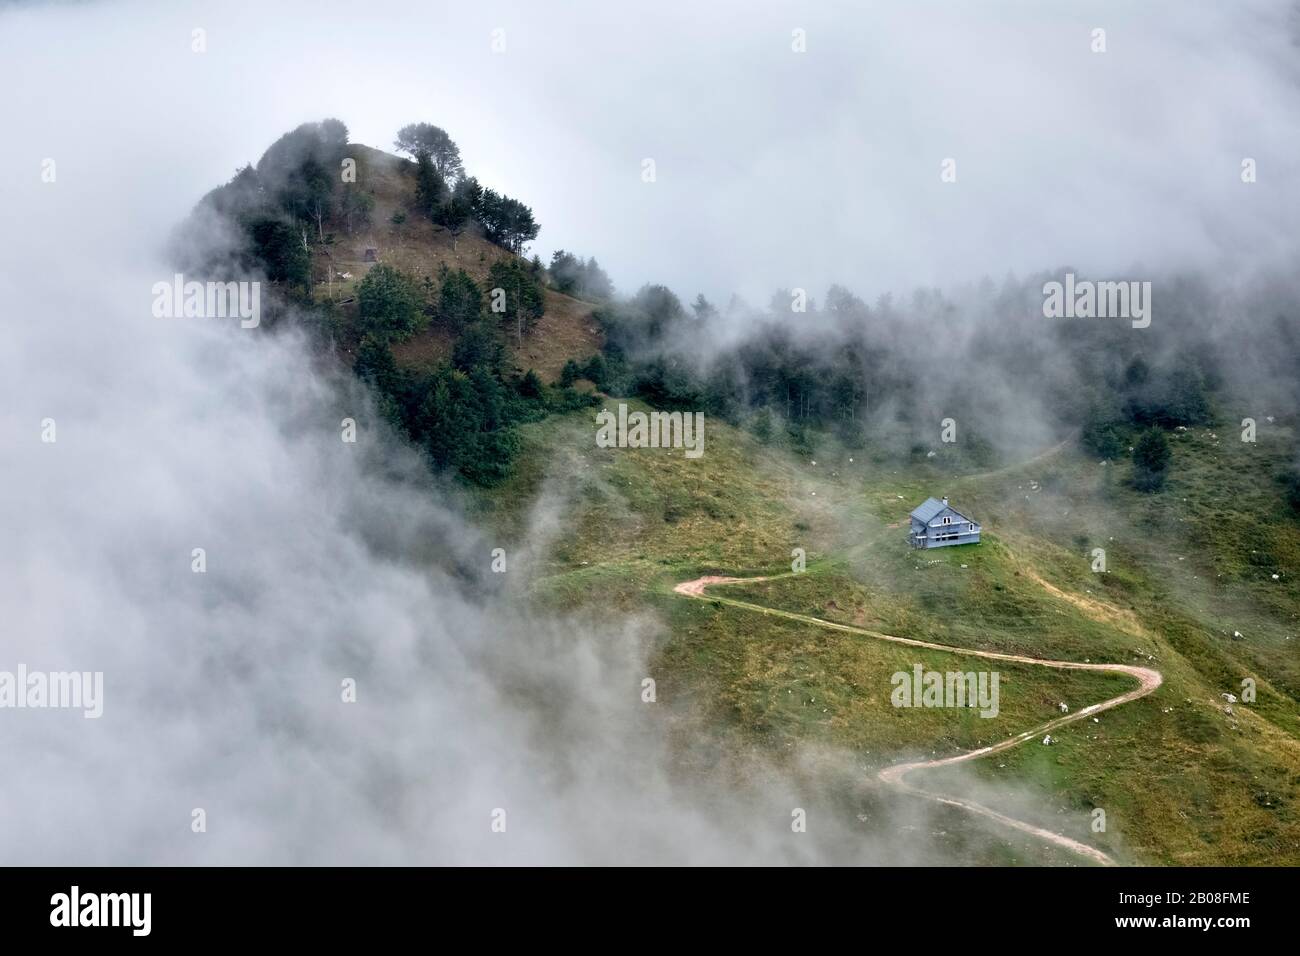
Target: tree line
894,371
448,196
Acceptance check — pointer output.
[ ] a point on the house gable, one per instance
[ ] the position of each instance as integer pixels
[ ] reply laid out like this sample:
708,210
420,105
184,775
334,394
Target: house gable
932,512
955,516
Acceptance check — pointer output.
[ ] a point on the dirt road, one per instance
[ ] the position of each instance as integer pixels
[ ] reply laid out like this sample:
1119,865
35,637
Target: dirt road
1148,680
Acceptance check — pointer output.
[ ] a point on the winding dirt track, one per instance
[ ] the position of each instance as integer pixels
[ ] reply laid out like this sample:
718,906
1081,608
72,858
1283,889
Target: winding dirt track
1148,681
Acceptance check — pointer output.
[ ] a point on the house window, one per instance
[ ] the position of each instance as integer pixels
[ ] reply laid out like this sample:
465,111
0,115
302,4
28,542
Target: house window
947,519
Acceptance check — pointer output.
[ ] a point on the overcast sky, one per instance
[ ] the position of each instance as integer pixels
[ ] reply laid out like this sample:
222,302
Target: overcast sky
774,168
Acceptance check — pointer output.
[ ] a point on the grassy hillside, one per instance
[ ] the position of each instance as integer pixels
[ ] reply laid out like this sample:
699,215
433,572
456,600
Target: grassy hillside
1183,775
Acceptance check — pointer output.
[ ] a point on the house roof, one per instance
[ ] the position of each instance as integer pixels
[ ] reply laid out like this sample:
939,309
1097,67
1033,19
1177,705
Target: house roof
926,511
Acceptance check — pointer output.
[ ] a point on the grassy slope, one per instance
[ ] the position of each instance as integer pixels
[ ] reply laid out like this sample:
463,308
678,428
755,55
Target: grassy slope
1181,780
418,247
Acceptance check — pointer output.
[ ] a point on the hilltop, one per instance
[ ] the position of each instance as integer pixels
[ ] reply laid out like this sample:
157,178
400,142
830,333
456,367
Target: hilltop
419,247
414,275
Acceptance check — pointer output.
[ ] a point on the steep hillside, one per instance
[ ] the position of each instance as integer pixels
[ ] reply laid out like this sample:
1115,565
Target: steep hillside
1183,775
419,247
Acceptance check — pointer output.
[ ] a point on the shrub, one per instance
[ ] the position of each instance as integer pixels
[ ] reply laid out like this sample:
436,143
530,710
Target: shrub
388,305
460,301
530,386
1151,457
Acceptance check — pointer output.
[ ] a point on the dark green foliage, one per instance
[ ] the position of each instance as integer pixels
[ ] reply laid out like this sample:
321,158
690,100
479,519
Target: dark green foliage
1290,480
1151,457
1137,373
468,191
579,277
388,305
595,371
1105,433
570,373
530,386
1106,440
887,372
431,141
523,303
463,421
506,221
323,143
979,450
478,345
430,187
724,394
668,383
355,207
278,250
456,212
374,365
453,214
1173,395
277,205
299,171
643,326
1186,402
561,400
661,308
460,302
309,193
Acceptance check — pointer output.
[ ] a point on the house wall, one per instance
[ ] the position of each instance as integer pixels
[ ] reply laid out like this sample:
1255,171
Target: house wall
966,537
